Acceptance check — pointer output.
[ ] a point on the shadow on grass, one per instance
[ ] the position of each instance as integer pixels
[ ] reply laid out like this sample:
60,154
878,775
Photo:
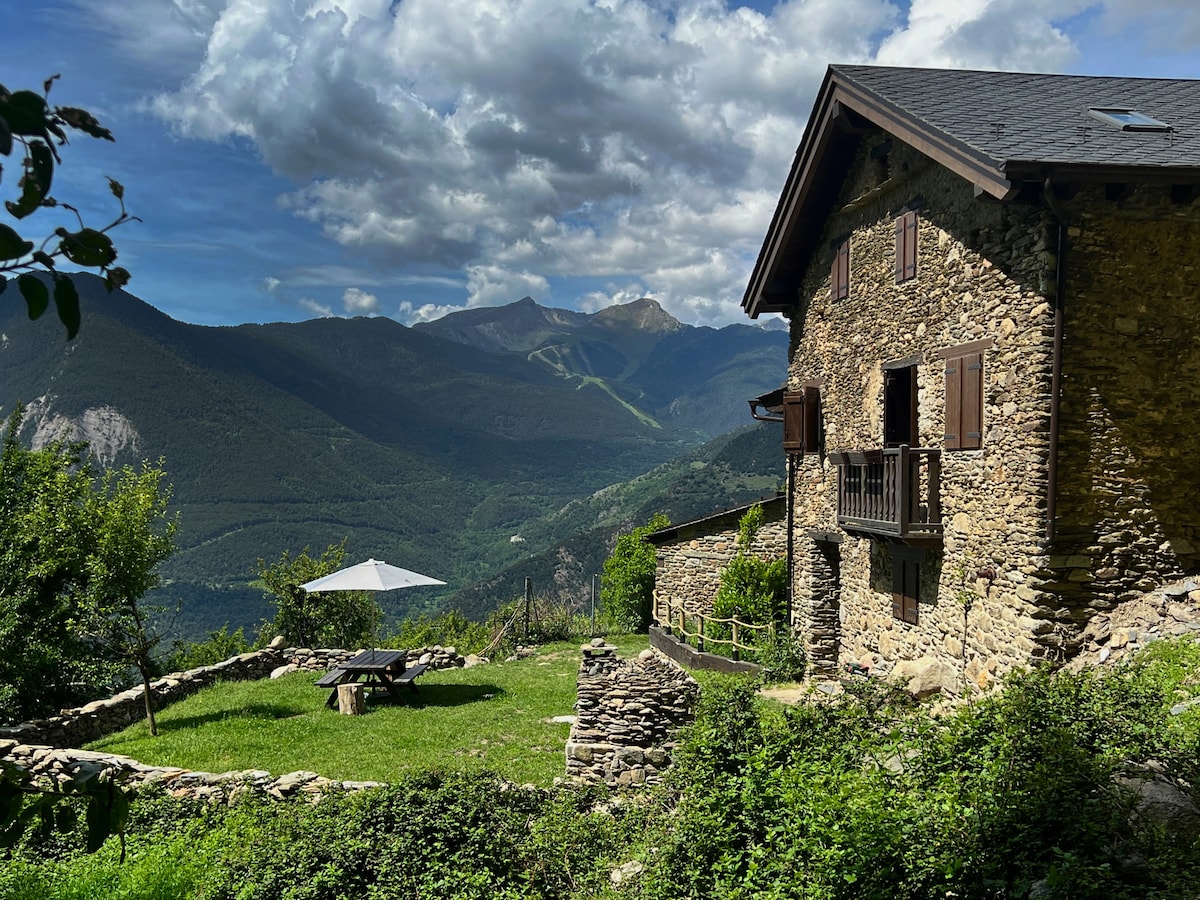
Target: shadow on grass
249,711
442,695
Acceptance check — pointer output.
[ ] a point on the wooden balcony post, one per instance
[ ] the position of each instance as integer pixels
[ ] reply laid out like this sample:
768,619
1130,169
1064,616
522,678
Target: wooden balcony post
902,499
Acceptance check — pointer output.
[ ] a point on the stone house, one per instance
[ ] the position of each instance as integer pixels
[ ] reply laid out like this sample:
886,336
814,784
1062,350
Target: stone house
992,286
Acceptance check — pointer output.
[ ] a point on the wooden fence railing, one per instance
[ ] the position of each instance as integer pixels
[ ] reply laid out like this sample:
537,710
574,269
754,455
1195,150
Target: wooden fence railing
674,616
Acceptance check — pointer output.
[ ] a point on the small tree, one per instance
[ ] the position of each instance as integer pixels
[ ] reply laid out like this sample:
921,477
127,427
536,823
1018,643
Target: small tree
752,590
28,122
627,582
332,619
134,534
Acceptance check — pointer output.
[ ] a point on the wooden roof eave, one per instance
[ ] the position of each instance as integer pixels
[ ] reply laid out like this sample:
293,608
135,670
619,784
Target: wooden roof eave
798,218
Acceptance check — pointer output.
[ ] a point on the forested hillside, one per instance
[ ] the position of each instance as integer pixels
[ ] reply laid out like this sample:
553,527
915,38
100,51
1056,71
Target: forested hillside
416,449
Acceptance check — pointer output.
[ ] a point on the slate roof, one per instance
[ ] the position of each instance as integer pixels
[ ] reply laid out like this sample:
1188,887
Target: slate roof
998,130
1014,117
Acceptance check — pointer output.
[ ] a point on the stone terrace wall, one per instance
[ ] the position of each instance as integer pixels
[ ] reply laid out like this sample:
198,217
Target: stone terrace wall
627,715
76,727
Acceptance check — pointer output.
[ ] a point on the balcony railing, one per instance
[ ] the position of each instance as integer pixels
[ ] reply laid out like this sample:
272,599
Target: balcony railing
892,493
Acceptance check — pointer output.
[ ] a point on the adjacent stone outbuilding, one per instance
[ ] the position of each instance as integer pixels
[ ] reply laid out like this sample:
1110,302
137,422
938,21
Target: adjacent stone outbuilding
690,556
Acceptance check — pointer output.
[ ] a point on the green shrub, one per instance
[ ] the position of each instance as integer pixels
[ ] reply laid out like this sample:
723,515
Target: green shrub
782,656
627,582
218,646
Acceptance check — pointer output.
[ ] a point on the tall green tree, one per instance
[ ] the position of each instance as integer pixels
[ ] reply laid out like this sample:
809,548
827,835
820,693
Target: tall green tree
36,130
134,533
77,553
627,581
332,619
44,534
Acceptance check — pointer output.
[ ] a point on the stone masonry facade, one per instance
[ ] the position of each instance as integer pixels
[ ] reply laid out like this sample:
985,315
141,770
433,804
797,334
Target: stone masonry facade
999,592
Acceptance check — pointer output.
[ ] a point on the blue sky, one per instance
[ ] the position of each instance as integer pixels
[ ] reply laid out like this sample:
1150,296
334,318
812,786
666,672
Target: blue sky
407,158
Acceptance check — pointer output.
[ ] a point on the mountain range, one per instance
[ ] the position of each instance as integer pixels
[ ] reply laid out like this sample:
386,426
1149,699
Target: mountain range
457,448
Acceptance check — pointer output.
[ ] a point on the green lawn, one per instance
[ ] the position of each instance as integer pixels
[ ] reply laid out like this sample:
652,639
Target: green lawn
496,717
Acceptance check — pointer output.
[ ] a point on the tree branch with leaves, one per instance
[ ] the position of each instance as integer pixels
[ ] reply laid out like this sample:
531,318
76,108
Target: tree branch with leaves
36,130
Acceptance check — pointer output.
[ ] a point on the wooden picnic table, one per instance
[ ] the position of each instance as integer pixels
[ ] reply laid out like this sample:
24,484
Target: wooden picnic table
384,669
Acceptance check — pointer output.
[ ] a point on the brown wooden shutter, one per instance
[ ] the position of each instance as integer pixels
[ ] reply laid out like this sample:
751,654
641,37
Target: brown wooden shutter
793,422
906,581
839,277
971,418
953,434
906,247
964,402
812,419
912,590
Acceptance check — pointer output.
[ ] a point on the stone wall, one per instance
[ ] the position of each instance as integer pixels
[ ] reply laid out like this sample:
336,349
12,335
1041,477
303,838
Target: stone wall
691,556
988,271
981,272
627,714
1128,479
79,726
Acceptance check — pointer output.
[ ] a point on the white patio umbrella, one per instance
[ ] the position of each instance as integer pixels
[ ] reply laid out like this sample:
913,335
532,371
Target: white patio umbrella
372,575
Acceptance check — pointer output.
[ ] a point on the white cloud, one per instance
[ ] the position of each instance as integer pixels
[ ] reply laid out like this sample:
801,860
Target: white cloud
495,285
494,145
317,309
359,303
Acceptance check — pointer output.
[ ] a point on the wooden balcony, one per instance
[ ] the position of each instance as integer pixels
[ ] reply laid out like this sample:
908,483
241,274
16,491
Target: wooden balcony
892,494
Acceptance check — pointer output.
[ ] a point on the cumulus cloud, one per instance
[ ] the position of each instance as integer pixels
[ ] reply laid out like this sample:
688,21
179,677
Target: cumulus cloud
359,303
512,144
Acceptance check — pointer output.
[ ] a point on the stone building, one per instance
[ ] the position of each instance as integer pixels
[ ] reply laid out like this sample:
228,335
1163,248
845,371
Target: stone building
689,557
991,282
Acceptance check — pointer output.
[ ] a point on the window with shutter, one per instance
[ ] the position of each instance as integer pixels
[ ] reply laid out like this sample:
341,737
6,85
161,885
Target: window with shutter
964,398
906,246
906,581
802,420
839,276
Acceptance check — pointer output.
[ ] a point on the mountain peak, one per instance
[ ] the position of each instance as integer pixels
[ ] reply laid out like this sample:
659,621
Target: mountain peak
644,314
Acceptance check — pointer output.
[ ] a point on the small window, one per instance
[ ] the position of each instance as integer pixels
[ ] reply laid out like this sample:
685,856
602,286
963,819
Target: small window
839,276
964,398
906,588
802,420
906,246
1127,119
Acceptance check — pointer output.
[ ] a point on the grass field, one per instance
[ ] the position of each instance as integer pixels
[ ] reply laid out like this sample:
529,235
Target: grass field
496,717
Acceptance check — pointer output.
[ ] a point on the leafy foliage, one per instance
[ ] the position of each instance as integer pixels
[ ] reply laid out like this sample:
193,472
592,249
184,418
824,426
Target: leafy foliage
627,585
49,528
135,534
332,619
872,797
29,122
752,589
220,645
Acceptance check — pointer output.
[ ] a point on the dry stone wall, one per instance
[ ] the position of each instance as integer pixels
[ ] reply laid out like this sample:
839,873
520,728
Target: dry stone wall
1128,481
81,725
981,274
627,715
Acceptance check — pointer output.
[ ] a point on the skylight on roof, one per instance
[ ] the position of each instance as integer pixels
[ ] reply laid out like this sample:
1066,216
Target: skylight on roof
1127,119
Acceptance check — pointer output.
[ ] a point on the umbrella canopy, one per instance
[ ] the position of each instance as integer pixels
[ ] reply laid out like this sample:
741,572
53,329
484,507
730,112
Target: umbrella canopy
372,575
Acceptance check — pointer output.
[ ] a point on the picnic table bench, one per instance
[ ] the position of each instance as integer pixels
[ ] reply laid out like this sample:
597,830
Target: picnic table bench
376,669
